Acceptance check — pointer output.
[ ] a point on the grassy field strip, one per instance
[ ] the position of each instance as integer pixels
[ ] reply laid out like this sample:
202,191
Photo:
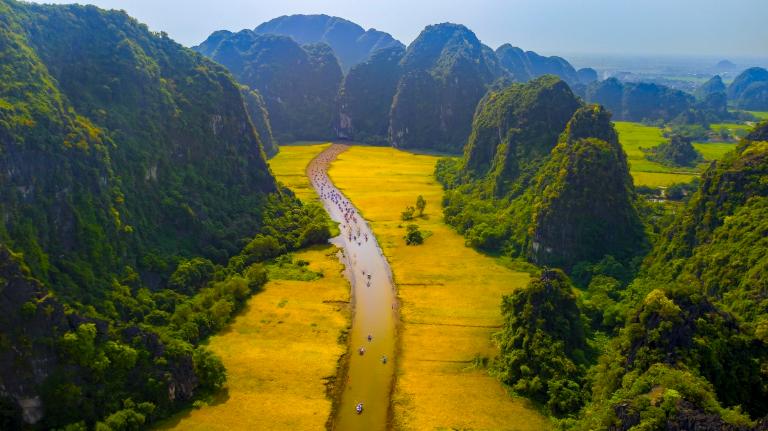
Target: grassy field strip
290,168
634,136
278,353
450,297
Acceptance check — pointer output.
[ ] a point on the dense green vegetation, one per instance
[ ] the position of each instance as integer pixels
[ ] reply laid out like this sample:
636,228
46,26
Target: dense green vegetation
678,151
543,344
530,175
257,111
136,208
423,97
584,199
683,344
299,84
138,214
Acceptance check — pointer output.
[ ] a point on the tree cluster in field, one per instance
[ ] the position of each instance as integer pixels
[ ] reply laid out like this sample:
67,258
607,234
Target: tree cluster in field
413,236
677,152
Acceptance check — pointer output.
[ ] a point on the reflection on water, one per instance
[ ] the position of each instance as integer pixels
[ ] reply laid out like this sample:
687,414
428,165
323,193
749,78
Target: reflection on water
369,376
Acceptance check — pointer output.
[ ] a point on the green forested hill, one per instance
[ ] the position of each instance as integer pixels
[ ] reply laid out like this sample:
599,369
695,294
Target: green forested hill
424,97
527,65
545,179
132,125
681,346
446,71
654,103
584,202
132,185
693,351
366,96
299,84
750,89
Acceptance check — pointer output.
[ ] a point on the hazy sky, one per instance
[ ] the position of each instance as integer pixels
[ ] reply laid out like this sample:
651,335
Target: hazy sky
730,28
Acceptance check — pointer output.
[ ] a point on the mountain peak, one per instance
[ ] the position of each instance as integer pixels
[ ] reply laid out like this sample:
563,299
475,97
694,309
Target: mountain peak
350,42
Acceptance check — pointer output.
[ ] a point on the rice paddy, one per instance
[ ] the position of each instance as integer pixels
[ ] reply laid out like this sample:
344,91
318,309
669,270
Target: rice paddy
449,295
279,353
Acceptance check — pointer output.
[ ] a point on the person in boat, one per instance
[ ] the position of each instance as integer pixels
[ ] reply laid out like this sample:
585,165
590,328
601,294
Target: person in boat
361,350
359,408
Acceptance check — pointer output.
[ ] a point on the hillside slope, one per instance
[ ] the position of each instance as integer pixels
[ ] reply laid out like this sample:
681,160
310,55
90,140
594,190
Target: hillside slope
132,182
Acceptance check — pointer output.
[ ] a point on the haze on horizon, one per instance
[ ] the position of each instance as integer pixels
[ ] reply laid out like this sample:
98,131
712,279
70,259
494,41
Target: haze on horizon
703,28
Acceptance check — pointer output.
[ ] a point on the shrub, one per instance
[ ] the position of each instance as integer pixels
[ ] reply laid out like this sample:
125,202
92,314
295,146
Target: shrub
413,235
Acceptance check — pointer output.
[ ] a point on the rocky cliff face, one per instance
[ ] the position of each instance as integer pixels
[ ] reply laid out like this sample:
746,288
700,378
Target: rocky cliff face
446,71
257,111
32,357
544,178
366,97
584,199
299,84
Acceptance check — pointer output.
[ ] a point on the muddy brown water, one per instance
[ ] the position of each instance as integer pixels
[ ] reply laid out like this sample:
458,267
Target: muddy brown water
368,379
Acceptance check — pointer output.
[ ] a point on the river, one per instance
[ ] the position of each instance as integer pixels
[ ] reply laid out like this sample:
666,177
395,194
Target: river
368,379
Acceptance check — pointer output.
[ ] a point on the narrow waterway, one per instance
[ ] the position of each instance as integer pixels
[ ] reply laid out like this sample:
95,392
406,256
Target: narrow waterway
369,375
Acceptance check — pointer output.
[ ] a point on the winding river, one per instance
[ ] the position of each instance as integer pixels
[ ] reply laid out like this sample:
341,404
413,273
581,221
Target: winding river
369,377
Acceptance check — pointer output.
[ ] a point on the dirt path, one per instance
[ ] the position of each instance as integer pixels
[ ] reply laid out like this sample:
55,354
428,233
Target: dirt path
369,377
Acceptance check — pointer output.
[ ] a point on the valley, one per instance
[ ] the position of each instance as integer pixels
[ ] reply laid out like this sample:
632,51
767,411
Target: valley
286,221
449,299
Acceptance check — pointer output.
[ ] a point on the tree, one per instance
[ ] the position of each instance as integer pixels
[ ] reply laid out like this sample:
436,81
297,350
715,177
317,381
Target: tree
413,235
421,204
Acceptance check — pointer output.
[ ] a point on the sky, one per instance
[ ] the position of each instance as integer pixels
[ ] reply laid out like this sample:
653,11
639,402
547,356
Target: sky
716,28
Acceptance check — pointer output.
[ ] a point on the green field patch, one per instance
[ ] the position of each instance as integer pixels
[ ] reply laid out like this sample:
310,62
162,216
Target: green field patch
635,136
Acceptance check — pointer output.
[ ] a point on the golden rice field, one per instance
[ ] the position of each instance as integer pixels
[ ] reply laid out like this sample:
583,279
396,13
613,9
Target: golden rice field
289,167
278,353
450,297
